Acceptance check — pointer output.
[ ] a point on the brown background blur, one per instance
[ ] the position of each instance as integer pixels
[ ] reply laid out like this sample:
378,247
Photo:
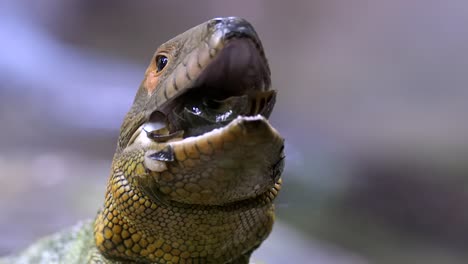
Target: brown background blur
372,102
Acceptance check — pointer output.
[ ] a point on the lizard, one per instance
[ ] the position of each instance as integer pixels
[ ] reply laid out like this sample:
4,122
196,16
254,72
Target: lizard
197,163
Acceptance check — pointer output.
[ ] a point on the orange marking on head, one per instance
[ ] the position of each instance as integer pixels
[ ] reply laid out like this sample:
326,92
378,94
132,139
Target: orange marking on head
151,81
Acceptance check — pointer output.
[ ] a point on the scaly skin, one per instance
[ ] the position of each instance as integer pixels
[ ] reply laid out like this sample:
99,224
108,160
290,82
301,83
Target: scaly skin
202,199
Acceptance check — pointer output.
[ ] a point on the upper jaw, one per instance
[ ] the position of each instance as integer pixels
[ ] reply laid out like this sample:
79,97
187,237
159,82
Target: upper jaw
238,68
227,59
228,63
237,57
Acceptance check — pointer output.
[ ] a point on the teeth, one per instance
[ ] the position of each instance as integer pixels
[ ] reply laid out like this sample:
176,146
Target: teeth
203,115
262,103
153,126
155,165
157,129
156,121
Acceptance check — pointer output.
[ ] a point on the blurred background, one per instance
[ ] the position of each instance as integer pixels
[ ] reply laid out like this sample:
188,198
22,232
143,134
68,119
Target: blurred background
372,103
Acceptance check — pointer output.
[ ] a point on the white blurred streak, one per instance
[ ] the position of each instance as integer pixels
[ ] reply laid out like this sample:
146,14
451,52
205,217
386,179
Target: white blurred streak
80,88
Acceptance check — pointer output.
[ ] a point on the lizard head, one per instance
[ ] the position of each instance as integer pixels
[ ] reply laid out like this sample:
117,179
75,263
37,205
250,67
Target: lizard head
201,117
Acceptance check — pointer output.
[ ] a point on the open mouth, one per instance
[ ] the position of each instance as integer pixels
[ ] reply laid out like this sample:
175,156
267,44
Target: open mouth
209,141
235,83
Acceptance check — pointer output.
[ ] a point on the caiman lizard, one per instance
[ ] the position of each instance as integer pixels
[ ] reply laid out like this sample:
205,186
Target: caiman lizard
197,164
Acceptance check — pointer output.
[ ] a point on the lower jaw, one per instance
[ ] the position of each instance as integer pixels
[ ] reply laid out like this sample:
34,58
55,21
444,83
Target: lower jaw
240,161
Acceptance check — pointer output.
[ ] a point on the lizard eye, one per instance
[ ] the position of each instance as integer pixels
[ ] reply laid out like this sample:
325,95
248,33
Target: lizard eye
161,62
